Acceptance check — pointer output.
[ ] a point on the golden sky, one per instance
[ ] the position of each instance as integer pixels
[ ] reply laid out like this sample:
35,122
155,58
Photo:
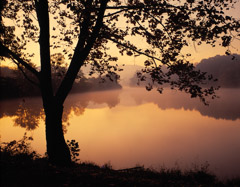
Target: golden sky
198,52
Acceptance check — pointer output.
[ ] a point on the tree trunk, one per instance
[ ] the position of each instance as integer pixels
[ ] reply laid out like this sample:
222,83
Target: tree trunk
57,149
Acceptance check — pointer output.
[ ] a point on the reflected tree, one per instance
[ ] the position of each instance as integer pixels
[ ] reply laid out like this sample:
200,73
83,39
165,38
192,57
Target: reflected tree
27,117
78,110
82,31
27,113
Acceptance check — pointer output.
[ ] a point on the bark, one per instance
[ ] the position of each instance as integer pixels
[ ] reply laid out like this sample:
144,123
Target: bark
57,149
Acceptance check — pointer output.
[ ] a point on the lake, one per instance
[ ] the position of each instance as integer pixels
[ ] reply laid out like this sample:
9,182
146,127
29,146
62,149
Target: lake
132,126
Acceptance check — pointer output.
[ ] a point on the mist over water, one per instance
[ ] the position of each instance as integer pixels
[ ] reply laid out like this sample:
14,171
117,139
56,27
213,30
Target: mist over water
132,126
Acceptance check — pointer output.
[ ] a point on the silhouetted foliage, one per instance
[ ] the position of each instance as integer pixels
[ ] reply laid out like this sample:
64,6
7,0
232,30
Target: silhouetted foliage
74,149
19,150
27,168
223,68
81,30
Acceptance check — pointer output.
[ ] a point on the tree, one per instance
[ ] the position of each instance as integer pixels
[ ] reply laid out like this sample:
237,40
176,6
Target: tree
81,31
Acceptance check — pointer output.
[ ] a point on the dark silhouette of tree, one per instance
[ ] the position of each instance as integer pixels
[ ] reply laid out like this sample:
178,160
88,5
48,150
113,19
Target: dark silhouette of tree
81,29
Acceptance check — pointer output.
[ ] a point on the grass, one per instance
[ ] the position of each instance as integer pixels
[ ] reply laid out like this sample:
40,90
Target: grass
20,166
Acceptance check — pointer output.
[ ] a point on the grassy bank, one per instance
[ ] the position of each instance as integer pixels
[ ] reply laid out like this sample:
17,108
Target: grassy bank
22,167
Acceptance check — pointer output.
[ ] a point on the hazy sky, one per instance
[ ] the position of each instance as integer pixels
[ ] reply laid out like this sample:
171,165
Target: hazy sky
198,52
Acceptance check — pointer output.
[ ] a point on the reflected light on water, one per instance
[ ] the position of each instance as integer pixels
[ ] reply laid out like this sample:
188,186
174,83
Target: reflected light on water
144,134
128,128
10,132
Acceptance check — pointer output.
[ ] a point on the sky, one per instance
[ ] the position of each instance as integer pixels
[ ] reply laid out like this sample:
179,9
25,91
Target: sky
197,52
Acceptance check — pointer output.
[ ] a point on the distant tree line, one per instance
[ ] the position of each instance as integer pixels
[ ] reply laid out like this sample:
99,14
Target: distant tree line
14,84
225,69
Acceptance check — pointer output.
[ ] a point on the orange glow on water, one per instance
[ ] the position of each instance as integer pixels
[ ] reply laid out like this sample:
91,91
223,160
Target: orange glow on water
126,136
129,128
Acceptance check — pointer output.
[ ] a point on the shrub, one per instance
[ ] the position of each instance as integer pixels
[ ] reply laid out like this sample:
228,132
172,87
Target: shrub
18,151
74,149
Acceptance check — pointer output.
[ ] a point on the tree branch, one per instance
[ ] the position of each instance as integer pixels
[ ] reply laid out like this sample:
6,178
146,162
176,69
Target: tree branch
97,27
20,61
141,6
24,74
130,7
85,28
166,30
150,34
44,42
135,50
80,56
114,13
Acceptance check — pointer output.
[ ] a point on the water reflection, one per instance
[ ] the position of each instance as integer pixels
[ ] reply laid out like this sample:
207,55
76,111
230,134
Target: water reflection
28,112
27,117
226,107
132,126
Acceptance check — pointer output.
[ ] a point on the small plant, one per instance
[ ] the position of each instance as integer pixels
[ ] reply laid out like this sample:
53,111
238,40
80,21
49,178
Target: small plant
107,165
74,149
19,149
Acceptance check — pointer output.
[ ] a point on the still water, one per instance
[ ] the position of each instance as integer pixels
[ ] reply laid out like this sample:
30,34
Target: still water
132,126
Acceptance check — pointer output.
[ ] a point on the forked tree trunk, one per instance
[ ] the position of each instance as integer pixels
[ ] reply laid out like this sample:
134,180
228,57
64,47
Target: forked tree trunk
57,149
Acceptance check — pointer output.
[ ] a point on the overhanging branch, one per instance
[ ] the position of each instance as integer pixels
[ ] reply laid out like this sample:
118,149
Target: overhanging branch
135,50
20,61
114,13
142,6
24,74
80,55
